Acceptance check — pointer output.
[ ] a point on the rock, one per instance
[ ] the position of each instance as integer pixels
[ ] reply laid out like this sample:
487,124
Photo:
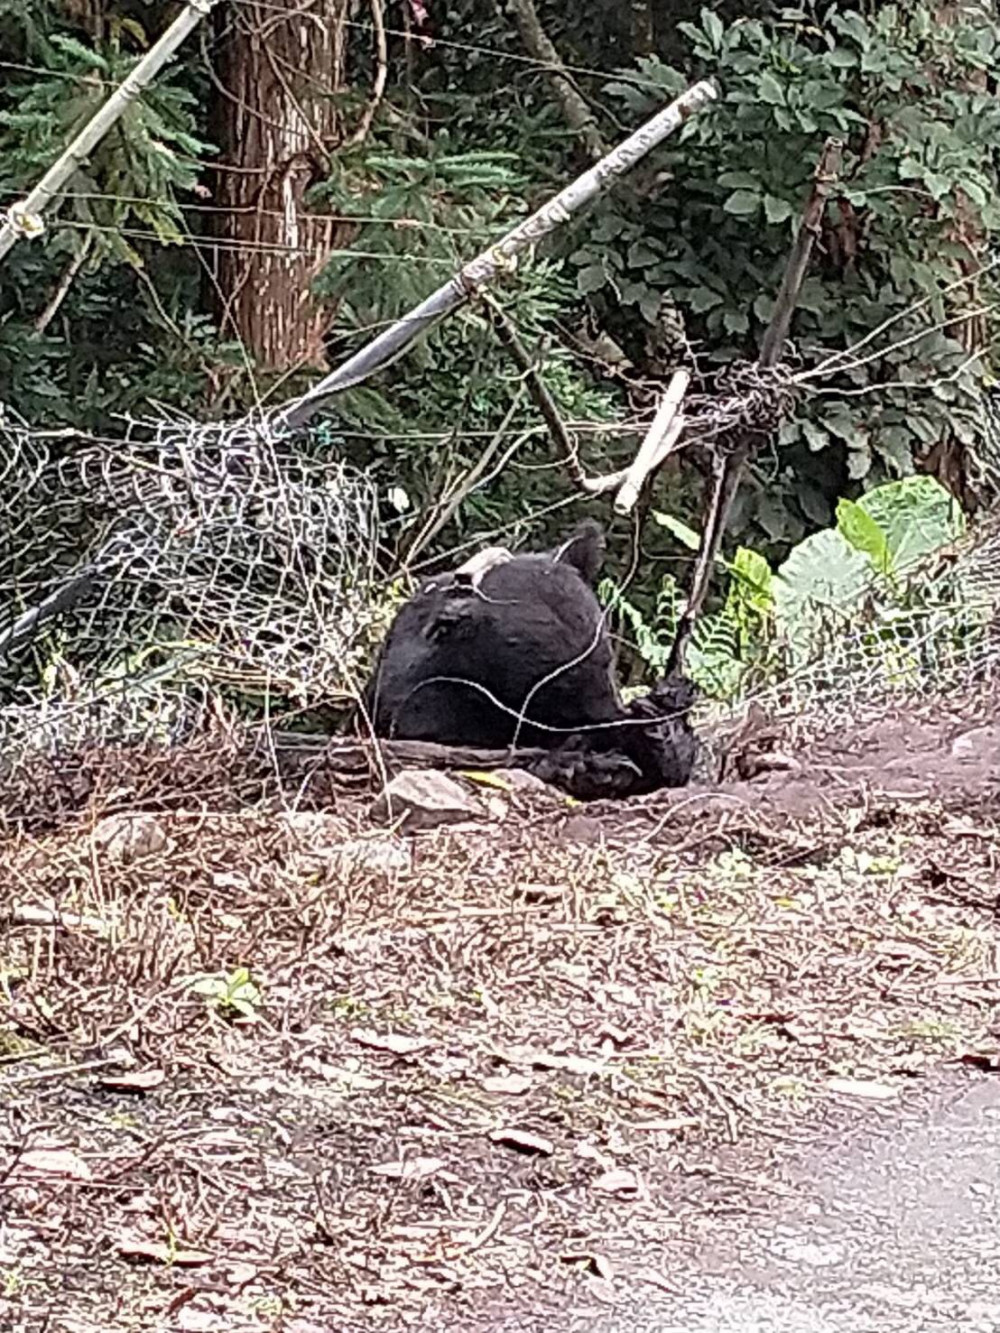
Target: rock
972,745
527,784
421,799
582,828
128,838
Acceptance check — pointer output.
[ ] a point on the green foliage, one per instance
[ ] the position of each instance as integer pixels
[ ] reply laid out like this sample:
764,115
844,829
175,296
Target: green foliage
129,328
469,138
908,92
231,994
824,590
132,182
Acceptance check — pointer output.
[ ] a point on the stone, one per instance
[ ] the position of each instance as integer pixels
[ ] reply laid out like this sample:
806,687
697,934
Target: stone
130,837
425,799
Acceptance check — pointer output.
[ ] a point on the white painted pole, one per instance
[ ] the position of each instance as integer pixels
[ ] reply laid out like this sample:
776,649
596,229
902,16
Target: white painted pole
391,344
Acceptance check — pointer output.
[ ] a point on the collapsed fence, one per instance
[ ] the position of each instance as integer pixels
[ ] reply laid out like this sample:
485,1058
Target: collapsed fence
150,581
143,577
147,580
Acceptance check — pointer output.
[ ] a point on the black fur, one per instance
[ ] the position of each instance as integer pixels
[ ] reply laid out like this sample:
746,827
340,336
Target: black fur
520,654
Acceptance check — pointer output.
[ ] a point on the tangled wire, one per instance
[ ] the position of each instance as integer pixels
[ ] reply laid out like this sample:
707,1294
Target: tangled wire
141,574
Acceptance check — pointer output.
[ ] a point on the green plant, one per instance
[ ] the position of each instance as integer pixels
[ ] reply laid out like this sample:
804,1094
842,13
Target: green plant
908,92
232,994
855,574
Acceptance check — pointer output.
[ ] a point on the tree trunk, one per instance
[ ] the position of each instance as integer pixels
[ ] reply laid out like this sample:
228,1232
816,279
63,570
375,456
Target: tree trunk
276,123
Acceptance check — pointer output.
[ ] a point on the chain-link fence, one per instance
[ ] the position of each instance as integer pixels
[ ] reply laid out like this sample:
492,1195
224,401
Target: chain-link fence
142,577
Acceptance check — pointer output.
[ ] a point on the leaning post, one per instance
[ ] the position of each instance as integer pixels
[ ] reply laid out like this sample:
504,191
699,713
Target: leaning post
499,258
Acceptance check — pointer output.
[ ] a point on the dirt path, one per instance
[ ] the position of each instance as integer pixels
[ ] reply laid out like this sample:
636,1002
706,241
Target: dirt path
527,1075
892,1230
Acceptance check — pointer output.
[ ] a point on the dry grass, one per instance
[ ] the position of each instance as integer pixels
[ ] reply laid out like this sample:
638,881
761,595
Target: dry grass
484,1072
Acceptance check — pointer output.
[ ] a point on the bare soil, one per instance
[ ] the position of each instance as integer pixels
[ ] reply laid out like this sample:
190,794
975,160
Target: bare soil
488,1077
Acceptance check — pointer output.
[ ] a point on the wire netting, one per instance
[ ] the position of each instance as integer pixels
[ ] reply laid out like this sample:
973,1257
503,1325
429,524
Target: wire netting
934,631
143,577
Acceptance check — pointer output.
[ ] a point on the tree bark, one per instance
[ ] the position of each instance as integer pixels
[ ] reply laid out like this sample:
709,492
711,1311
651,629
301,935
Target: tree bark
276,123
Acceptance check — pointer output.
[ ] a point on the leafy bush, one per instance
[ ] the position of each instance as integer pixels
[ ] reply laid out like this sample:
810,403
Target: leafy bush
712,221
855,578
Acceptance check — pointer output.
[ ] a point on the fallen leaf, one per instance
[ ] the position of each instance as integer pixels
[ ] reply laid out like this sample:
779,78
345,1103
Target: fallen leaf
669,1126
396,1042
862,1087
598,1264
619,1181
414,1168
511,1085
345,1075
143,1080
522,1141
572,1064
62,1162
543,893
987,1061
591,1153
159,1253
485,779
656,1279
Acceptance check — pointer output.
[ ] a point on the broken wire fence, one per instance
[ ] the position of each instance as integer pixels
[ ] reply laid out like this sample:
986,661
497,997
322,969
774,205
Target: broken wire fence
936,633
144,578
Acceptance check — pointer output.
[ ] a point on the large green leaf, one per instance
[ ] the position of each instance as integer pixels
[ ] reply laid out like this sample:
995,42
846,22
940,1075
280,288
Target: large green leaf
822,581
916,515
861,531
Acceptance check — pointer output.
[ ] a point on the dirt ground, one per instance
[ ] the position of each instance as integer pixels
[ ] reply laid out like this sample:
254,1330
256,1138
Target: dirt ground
480,1077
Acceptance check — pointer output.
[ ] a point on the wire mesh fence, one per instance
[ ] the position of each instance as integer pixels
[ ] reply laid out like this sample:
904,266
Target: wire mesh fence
143,576
936,632
144,579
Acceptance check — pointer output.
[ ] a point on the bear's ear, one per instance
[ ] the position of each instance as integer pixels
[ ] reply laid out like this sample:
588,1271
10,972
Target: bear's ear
584,549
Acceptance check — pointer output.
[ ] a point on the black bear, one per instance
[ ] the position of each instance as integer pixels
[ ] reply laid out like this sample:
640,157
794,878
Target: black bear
514,651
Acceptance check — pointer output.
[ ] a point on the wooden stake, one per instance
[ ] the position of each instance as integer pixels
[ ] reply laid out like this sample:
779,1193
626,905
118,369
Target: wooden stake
661,439
727,467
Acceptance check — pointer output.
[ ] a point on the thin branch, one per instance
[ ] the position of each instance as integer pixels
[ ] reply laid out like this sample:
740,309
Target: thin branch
575,109
537,391
826,176
829,366
728,463
923,385
450,503
65,283
364,125
857,364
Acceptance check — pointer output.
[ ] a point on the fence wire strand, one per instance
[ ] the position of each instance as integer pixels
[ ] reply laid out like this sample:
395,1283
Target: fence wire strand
149,581
139,578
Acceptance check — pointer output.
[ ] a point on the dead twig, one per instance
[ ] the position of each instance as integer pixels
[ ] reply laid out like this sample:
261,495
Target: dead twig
361,131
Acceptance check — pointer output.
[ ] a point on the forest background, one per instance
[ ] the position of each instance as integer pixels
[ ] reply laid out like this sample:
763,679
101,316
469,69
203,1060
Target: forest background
304,173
